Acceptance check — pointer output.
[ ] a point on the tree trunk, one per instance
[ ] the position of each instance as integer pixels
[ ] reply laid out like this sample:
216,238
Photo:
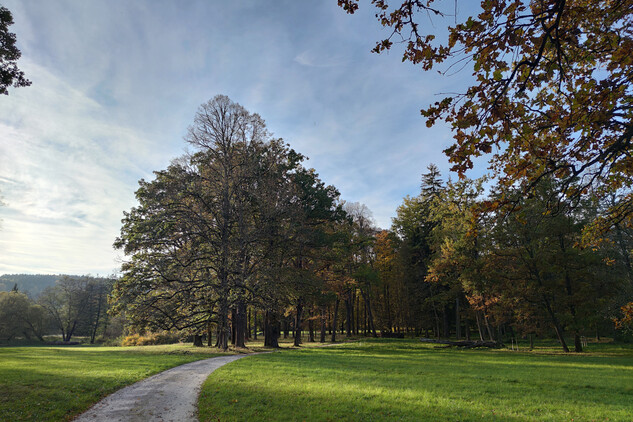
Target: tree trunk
389,322
247,334
445,325
370,315
97,318
488,328
458,326
560,334
298,317
334,319
209,334
233,325
310,328
271,330
222,340
197,340
531,341
577,342
240,325
478,318
322,339
255,325
467,329
357,325
350,315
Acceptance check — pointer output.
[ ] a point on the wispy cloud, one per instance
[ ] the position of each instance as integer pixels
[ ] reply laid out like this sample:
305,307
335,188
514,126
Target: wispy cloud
312,58
66,174
116,83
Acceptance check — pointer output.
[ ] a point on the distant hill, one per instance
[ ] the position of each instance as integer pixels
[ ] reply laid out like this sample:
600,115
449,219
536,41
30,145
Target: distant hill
32,284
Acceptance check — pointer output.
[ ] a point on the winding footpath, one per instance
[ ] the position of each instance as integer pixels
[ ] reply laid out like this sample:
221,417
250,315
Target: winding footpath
170,396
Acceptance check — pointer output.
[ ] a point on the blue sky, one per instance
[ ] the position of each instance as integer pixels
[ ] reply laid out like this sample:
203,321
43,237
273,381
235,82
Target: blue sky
116,84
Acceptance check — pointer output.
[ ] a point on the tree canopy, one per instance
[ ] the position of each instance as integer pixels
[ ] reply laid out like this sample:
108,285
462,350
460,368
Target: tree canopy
10,74
551,90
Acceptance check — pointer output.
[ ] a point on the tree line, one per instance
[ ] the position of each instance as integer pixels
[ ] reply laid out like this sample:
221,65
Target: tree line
73,306
238,236
519,269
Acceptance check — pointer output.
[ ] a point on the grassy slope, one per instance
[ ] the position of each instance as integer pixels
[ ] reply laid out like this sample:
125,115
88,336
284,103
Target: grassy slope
409,381
57,383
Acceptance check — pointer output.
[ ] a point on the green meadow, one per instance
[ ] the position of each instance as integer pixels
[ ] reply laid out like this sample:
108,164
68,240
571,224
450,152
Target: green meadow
405,380
366,380
58,383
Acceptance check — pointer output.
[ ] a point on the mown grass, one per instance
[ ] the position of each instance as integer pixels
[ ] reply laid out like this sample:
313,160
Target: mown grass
58,383
406,380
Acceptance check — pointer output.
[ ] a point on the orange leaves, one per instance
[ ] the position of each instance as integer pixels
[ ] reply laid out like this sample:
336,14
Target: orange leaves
626,322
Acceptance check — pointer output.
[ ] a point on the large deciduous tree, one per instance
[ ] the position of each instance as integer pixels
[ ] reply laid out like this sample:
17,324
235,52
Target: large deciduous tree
550,93
233,224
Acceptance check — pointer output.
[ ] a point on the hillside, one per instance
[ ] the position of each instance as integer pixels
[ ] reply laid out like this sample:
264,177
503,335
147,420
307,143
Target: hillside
32,284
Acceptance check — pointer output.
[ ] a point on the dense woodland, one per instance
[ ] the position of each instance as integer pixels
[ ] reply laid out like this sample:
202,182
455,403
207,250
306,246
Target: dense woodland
239,237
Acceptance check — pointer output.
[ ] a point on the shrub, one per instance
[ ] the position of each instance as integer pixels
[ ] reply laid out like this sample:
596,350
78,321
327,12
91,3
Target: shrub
161,337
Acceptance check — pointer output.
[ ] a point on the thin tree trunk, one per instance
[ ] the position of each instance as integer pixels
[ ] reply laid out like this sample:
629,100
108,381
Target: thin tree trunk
560,334
298,316
322,339
389,321
445,326
357,326
329,312
248,326
240,325
310,327
350,315
233,325
334,319
478,318
370,314
97,318
458,327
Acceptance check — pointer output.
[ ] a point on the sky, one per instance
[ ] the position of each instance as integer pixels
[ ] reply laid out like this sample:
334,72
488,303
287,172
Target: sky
116,83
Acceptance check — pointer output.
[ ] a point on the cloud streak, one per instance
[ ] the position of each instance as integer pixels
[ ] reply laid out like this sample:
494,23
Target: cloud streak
116,83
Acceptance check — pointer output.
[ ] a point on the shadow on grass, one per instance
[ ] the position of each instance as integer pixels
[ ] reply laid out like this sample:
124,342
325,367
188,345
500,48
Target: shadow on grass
408,382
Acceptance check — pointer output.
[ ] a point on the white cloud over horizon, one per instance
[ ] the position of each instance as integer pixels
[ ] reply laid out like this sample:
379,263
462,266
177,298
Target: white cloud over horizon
116,83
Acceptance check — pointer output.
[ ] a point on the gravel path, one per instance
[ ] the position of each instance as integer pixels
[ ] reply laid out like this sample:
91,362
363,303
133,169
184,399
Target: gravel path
170,396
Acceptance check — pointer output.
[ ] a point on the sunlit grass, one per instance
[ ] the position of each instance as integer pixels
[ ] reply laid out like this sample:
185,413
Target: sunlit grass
58,383
410,381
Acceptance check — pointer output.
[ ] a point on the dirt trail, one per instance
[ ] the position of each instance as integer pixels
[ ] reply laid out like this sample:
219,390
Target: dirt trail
170,396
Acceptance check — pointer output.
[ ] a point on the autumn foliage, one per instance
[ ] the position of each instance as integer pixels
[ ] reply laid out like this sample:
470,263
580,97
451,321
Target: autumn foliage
550,94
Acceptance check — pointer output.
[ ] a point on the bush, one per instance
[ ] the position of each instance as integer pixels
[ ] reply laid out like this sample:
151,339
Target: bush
161,337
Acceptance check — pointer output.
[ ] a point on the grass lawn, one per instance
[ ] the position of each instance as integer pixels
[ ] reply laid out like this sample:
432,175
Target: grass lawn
406,380
58,383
